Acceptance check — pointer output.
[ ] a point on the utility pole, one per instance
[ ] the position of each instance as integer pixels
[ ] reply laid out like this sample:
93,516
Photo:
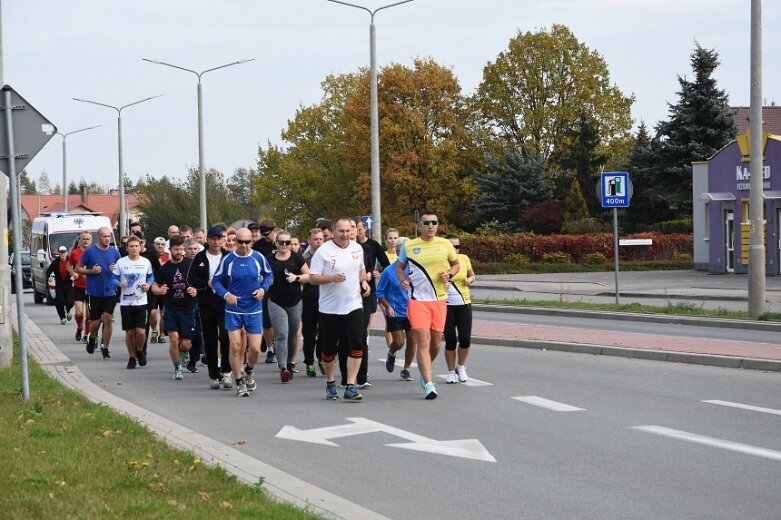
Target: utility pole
6,334
756,247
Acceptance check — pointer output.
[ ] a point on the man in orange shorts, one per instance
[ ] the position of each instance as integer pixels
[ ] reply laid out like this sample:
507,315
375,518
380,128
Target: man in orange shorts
432,262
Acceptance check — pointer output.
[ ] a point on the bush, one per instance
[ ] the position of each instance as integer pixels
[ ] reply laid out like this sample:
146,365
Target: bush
544,219
683,259
674,226
594,259
556,258
581,227
515,259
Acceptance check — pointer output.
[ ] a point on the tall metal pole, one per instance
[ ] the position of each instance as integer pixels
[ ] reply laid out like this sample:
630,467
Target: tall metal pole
374,118
122,201
65,165
201,162
17,224
375,137
6,334
201,152
756,252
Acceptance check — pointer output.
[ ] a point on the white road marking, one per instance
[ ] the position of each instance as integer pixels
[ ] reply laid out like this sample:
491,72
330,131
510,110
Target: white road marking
744,406
399,362
746,449
464,448
472,381
547,403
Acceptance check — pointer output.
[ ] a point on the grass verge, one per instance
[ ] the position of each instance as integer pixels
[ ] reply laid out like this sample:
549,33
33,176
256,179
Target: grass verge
65,457
677,308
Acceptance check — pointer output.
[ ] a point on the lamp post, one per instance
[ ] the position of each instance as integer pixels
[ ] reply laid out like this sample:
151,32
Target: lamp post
201,161
375,126
65,167
122,204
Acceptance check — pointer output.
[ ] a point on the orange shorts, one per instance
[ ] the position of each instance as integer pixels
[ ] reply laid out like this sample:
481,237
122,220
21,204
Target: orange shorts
427,315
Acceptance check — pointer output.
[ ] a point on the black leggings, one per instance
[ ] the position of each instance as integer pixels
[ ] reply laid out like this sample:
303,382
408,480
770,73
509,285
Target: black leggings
458,326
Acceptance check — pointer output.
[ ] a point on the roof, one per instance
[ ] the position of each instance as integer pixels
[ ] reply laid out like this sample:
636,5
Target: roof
771,118
34,205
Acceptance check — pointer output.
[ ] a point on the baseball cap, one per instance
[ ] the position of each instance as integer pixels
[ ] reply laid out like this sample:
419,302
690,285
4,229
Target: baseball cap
159,240
63,249
253,226
216,231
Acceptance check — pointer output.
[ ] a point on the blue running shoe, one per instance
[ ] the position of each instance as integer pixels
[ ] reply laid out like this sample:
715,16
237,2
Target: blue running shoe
351,394
430,391
331,393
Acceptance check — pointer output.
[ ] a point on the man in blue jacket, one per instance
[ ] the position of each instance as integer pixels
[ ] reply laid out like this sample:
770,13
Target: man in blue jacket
242,280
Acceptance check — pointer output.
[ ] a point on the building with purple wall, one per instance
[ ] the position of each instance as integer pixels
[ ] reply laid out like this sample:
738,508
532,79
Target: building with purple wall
721,200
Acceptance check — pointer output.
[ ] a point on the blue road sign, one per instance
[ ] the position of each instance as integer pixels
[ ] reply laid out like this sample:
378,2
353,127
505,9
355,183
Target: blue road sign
367,222
615,190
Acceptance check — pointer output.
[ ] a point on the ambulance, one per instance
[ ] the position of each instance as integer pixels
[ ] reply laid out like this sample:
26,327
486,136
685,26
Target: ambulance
49,232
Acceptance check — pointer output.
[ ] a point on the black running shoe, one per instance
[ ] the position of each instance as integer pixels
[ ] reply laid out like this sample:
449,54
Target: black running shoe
105,352
91,346
192,367
141,355
131,363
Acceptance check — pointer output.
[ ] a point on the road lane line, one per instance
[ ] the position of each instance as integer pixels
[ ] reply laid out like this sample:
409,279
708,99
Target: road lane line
744,406
547,403
746,449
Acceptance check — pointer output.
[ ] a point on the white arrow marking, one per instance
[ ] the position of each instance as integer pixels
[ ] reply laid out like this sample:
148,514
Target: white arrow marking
745,407
399,362
547,403
464,448
711,441
472,381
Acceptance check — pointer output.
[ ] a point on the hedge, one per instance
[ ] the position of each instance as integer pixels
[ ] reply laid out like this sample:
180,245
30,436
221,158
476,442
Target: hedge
533,247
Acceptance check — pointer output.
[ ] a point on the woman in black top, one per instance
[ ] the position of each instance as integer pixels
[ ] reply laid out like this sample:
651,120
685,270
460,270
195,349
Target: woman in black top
284,302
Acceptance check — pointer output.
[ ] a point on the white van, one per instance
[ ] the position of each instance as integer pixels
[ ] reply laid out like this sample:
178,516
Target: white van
49,232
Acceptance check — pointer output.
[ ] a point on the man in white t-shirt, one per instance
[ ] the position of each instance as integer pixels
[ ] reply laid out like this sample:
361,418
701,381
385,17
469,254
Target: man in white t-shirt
133,275
337,267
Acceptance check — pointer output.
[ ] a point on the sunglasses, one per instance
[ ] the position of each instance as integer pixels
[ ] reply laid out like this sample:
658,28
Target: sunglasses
245,242
429,223
283,242
457,246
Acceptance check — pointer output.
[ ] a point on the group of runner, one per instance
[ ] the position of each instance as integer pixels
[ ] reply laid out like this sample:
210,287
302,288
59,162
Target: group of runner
226,295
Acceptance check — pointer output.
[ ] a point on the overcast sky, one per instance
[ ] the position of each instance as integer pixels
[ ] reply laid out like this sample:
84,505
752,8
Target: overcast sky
55,50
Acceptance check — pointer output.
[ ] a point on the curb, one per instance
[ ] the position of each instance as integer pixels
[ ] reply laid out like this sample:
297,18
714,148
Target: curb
701,321
280,485
694,358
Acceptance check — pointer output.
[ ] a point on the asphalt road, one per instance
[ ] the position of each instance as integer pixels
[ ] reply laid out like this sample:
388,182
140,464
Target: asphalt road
641,443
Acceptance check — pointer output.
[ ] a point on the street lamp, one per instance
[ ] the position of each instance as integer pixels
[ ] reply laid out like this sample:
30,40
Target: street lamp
64,165
376,227
201,162
122,204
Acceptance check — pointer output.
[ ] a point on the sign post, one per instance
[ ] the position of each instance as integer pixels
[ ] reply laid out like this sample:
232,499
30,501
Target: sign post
28,131
615,191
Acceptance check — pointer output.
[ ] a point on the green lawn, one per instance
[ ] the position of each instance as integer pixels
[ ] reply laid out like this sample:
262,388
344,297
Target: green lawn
65,457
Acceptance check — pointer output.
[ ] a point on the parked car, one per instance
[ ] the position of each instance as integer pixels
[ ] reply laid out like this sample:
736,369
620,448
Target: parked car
27,278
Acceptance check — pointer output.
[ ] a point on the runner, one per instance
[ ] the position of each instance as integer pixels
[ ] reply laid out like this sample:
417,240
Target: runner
63,283
134,276
242,280
265,246
80,285
309,309
458,326
179,298
337,266
97,263
432,264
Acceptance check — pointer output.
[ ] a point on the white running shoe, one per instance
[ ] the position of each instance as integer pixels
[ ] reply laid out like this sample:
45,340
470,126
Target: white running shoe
461,371
451,378
227,380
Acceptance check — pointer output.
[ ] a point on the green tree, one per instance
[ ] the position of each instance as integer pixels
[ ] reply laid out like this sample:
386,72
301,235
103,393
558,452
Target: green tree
648,201
506,190
26,185
575,204
44,184
73,188
700,123
536,89
581,156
